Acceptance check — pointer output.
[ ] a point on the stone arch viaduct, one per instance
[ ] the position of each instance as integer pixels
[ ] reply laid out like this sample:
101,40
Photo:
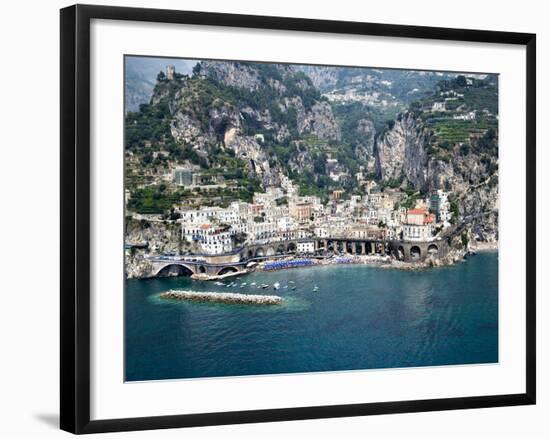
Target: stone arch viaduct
215,265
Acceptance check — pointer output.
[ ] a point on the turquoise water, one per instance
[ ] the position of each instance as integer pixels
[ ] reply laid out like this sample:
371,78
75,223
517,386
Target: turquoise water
360,318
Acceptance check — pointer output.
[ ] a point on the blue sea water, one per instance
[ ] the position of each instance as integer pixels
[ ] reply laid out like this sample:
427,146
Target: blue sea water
361,317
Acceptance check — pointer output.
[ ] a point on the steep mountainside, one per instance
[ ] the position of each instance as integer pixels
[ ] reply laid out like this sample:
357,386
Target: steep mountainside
391,84
386,92
448,141
249,123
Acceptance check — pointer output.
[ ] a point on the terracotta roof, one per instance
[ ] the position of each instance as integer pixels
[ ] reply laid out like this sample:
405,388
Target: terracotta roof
417,212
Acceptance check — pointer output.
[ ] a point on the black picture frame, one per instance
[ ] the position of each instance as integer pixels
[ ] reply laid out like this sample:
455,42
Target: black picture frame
75,217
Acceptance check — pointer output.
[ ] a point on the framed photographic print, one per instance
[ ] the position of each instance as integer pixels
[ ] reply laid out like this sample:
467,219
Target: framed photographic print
267,218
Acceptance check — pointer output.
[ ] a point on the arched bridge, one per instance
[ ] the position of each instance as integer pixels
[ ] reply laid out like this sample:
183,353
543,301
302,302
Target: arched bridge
162,267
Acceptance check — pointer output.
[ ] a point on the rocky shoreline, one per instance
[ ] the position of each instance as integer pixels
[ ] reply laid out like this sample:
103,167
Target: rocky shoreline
480,246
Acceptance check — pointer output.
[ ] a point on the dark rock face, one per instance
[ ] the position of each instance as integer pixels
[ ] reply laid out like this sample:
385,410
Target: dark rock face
367,132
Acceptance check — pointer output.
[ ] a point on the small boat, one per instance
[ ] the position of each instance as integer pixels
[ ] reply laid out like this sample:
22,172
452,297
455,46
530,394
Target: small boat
290,281
259,286
228,285
285,287
243,284
276,285
253,283
292,288
315,288
219,283
264,286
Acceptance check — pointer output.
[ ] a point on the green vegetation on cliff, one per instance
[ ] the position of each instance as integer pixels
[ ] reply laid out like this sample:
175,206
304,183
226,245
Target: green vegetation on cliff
463,114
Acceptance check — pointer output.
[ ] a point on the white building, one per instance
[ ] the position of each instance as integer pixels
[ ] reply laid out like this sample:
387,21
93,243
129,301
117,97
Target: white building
212,240
277,213
262,230
416,232
385,216
359,232
375,199
392,232
240,207
285,224
419,225
371,215
208,214
217,243
440,205
321,232
307,247
468,116
303,233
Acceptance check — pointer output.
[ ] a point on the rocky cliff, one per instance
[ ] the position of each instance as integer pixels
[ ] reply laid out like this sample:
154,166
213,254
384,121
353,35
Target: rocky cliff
405,157
366,133
400,153
160,236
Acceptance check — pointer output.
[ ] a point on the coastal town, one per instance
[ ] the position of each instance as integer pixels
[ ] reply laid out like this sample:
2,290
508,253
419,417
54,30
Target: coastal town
281,214
279,223
225,173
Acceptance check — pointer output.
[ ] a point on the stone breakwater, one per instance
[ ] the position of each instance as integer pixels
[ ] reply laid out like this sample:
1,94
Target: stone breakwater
231,298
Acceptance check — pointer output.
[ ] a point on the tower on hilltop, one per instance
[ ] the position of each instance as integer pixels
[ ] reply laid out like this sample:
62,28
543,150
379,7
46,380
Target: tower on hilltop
170,71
